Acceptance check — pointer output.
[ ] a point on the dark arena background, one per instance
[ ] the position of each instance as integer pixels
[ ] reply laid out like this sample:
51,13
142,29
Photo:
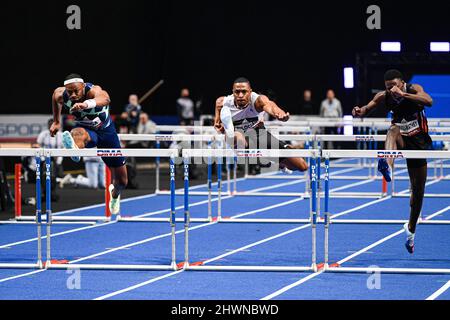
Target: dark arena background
155,49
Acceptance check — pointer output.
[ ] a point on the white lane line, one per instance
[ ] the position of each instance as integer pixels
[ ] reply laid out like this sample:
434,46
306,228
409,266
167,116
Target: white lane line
142,284
158,237
229,252
240,215
254,244
22,275
191,228
439,292
438,213
169,234
364,250
291,286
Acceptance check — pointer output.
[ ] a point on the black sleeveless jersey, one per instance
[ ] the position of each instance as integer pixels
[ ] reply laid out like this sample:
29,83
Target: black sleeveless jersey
408,115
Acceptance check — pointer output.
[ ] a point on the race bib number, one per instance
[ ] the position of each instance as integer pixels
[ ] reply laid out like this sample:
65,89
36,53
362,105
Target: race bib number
245,125
409,128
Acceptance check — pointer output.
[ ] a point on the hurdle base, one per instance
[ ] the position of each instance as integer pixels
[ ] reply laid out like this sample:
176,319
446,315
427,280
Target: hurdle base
299,221
427,195
130,219
111,267
66,218
387,221
43,222
387,270
20,266
249,268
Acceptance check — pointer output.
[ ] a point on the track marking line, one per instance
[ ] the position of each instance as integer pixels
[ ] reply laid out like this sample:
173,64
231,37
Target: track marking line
21,275
439,292
346,259
193,228
142,284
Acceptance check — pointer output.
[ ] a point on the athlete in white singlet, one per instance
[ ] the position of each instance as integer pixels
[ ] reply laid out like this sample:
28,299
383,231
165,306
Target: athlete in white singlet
240,117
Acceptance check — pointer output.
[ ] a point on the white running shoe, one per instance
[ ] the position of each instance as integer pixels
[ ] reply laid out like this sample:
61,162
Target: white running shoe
114,203
69,143
409,244
284,169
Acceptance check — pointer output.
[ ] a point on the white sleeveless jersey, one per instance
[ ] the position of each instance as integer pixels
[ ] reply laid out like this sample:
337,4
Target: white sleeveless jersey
243,118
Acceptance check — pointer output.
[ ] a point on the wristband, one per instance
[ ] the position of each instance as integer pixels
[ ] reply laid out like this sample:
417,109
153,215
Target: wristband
91,103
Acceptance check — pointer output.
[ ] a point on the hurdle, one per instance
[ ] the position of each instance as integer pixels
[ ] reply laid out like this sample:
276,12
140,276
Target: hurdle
48,153
411,154
212,140
328,220
37,153
221,153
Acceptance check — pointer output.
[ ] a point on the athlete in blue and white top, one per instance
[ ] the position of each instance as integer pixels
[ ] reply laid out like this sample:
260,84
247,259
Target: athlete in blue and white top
240,116
94,128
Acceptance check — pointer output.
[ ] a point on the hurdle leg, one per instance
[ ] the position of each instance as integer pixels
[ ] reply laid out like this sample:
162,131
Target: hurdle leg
314,215
17,190
327,211
186,212
319,188
393,179
228,176
38,211
172,211
235,164
157,167
48,203
246,167
219,189
209,189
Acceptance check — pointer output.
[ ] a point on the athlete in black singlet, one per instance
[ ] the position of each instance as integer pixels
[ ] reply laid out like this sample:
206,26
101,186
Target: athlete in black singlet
409,131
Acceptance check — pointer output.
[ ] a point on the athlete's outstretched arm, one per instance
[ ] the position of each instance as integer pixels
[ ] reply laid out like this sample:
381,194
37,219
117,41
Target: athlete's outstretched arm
57,104
97,97
373,104
217,122
265,104
419,95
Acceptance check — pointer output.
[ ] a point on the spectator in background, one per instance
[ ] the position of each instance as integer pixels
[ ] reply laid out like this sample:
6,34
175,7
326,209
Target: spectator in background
185,108
95,172
331,108
307,106
133,110
145,126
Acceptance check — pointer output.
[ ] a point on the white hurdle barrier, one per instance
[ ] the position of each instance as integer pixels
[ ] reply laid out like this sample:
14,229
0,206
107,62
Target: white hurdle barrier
227,153
329,220
48,153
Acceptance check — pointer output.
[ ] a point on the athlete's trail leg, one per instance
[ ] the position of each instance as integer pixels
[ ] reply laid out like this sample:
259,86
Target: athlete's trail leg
120,180
418,178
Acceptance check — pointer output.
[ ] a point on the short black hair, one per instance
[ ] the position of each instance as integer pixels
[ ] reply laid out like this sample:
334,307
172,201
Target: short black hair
73,76
241,80
393,74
